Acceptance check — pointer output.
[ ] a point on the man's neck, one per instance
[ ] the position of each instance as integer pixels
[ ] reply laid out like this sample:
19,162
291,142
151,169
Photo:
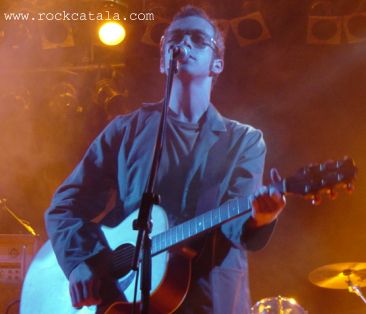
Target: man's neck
190,101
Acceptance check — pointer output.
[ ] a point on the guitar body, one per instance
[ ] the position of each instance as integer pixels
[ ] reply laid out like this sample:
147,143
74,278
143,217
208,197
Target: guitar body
170,294
46,288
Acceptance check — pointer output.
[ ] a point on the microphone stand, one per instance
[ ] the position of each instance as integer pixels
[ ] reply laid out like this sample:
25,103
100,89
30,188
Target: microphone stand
143,222
21,221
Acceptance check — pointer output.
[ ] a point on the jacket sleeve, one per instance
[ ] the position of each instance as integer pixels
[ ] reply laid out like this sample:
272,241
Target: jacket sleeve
80,198
246,178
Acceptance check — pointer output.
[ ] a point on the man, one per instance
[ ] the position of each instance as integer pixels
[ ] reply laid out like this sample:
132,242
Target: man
207,160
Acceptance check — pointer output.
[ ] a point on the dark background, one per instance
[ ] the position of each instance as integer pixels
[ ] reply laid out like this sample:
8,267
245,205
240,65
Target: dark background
309,100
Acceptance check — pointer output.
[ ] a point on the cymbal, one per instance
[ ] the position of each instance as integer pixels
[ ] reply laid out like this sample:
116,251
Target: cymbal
339,276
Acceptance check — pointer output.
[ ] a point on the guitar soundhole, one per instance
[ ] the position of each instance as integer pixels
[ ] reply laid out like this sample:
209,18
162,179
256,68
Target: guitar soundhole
122,260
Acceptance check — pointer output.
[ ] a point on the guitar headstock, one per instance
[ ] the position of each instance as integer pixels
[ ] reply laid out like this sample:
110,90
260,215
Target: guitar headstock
316,179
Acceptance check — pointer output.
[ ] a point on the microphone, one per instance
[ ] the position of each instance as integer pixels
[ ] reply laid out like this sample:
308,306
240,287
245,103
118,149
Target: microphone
180,53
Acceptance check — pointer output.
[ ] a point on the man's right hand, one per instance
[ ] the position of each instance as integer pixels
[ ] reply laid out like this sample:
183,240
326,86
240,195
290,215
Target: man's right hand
84,286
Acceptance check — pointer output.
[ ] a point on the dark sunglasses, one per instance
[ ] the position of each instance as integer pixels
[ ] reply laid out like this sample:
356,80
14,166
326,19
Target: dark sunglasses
199,39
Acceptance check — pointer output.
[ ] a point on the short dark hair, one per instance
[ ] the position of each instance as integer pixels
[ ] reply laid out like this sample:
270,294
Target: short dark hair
190,10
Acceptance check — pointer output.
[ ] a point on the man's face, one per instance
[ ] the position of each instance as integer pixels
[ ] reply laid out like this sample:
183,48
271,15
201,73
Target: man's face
197,34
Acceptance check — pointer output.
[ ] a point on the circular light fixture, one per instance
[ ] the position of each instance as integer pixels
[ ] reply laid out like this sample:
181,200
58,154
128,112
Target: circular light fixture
357,26
55,32
112,33
324,29
250,29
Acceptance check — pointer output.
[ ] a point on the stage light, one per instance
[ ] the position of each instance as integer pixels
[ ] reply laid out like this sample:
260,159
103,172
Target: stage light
154,30
323,27
17,99
354,26
110,98
16,35
250,28
57,34
64,100
112,33
113,7
324,30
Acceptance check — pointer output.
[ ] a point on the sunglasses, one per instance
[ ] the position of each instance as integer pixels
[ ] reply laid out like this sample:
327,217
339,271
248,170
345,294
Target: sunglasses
199,39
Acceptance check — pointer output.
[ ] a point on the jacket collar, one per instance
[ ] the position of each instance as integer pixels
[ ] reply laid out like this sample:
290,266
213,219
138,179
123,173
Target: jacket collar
215,121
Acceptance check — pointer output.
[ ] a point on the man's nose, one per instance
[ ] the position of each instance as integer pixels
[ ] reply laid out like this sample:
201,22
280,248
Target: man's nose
186,40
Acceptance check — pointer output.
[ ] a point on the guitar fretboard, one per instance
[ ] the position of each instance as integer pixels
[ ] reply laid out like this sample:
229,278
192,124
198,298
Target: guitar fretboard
199,224
309,181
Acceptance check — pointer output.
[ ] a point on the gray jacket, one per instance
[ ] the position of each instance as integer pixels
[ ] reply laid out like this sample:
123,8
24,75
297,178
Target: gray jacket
227,161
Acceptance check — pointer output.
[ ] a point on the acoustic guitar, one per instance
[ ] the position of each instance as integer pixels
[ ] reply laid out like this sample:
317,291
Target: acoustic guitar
46,291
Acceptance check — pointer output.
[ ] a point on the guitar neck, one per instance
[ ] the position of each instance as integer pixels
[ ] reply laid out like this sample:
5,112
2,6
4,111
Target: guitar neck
200,224
205,222
309,181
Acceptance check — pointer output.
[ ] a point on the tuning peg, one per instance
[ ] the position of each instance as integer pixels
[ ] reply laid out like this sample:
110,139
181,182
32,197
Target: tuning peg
316,199
350,187
332,194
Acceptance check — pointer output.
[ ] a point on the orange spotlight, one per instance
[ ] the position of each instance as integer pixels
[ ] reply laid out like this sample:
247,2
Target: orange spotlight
111,33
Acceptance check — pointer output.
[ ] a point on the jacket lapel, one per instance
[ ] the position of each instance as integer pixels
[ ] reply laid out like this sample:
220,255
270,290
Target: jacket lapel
211,128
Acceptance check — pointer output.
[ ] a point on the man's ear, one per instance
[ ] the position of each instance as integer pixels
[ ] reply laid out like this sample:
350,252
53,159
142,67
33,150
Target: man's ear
162,56
217,66
162,64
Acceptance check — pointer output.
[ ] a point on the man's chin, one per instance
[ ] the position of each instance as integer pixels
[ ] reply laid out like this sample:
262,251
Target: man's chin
186,73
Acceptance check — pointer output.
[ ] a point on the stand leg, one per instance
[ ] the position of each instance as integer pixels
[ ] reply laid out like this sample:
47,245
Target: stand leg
146,275
358,292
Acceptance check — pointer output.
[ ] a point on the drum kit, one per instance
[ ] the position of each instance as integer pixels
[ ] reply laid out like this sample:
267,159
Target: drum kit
350,276
277,305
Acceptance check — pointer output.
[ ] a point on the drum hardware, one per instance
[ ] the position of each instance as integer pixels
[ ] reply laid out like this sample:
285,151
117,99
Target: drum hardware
16,250
277,305
350,276
16,254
